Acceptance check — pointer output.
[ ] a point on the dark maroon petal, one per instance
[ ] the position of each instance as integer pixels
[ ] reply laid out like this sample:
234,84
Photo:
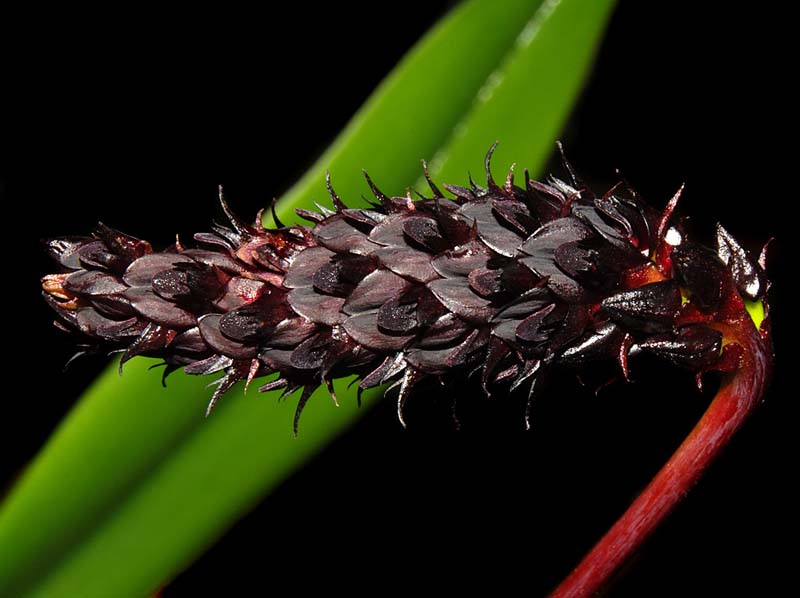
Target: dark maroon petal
507,331
328,279
650,308
91,322
305,265
515,215
603,343
496,236
212,335
319,308
429,308
114,306
92,282
570,323
310,354
354,268
190,340
343,356
596,265
340,236
642,218
191,284
547,201
533,328
241,291
408,263
460,262
389,233
127,247
455,295
614,211
486,282
517,278
455,228
524,305
694,346
369,218
444,331
425,232
562,285
65,250
435,361
341,275
747,275
223,261
171,285
142,271
440,361
278,360
541,247
701,272
291,332
460,192
96,255
575,259
375,290
267,255
591,216
471,348
364,330
398,318
152,307
120,329
545,240
247,323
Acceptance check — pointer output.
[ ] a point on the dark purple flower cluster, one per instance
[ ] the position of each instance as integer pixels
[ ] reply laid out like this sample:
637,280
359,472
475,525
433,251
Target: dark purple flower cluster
505,282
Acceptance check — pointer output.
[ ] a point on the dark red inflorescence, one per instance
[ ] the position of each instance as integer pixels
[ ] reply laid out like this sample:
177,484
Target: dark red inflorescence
504,282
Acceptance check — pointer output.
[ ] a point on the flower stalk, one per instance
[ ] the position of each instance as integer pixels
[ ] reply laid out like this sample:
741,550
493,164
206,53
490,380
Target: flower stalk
740,392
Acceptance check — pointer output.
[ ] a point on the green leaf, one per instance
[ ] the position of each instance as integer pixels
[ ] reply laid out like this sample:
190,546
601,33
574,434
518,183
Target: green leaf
151,483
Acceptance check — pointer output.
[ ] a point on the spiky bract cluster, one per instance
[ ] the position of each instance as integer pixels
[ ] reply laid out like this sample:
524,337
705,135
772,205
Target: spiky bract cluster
504,282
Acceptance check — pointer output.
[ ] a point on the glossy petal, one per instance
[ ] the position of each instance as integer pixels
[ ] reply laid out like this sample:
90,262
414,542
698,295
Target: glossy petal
650,308
364,330
375,290
316,307
212,335
456,295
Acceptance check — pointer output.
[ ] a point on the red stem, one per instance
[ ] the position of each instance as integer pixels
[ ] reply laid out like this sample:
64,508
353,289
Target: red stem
739,394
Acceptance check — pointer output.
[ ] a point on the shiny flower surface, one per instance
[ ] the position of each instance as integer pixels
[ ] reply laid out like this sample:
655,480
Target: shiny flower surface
505,282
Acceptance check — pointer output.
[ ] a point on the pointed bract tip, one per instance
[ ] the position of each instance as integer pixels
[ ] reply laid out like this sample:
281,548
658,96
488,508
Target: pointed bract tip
337,202
490,182
573,176
437,194
379,195
238,224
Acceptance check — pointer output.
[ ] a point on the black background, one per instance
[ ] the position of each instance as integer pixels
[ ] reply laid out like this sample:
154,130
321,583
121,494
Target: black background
134,118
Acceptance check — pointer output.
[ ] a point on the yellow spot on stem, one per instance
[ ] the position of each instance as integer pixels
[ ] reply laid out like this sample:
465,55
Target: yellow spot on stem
756,311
